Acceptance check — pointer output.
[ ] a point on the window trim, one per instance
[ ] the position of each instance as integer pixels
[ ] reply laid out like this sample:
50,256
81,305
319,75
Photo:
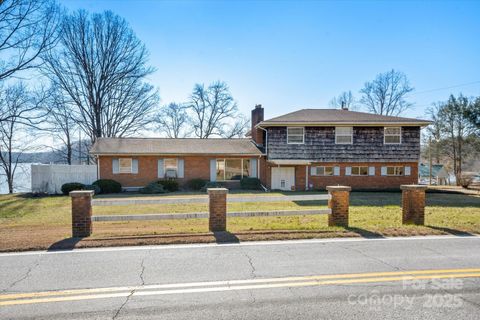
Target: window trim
392,135
303,135
324,175
224,167
394,169
131,166
343,135
359,175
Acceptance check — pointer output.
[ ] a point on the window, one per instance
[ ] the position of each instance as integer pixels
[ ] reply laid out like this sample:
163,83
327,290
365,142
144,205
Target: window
323,171
392,135
232,169
394,171
171,168
359,171
125,165
343,135
295,135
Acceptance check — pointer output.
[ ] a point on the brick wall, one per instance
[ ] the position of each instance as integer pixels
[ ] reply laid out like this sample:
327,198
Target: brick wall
194,167
356,182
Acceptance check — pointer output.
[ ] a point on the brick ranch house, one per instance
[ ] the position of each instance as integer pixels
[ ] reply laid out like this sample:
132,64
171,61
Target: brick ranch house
303,150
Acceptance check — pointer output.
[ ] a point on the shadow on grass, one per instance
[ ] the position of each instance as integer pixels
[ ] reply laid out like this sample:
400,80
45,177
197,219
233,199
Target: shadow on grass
64,244
225,237
451,231
365,233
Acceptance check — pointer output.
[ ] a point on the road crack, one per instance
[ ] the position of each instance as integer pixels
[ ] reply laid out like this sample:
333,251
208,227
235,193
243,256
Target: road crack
25,276
142,283
370,257
250,262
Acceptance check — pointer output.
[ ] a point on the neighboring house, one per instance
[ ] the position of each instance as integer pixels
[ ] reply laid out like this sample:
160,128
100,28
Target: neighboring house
439,174
306,149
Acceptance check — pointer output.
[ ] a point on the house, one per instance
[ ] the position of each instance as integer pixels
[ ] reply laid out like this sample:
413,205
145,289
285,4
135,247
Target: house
305,149
439,174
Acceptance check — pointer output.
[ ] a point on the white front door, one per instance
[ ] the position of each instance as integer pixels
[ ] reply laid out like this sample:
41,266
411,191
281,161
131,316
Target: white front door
283,178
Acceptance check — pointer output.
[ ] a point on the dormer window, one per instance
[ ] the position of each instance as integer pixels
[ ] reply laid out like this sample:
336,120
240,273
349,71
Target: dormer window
392,135
295,135
343,135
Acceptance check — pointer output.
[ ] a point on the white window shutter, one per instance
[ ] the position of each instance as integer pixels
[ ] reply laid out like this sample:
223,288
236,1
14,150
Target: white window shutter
134,165
384,171
313,171
408,171
213,170
371,171
160,169
348,171
181,168
115,165
253,168
336,171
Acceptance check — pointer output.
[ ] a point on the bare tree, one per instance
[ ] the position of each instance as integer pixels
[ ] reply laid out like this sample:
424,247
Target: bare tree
344,99
60,123
27,28
101,66
211,109
238,129
172,120
459,132
386,95
435,132
19,105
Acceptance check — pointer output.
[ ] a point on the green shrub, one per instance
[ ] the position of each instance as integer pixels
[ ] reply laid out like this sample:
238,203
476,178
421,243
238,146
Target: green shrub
250,184
94,188
71,186
152,187
197,184
108,186
169,185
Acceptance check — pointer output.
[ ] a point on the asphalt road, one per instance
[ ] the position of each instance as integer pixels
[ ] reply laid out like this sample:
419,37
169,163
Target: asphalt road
414,278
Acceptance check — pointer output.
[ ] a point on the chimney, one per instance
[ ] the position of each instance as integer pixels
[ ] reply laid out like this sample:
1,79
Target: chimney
257,117
344,107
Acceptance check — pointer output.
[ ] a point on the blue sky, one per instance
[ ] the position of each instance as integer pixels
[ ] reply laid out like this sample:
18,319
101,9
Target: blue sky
288,55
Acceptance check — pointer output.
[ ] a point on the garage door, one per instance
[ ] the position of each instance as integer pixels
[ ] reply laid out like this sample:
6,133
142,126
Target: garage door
283,178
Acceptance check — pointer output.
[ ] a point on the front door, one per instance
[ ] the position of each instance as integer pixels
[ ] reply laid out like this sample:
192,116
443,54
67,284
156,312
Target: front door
283,178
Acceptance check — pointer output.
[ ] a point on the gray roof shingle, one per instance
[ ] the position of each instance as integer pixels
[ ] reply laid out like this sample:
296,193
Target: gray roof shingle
338,116
166,146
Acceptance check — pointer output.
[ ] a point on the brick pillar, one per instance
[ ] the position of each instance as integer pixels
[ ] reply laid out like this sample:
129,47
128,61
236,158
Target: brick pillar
338,203
217,203
413,204
81,213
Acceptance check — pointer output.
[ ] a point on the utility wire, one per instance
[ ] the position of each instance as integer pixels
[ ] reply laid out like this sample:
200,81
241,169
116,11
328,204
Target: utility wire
444,88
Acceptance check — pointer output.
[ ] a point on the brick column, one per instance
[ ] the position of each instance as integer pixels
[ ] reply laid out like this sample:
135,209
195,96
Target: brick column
81,213
338,203
413,204
217,202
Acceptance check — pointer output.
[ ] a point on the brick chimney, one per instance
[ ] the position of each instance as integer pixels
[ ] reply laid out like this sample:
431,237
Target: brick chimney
257,117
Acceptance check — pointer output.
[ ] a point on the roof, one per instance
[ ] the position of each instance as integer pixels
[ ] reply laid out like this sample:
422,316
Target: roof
339,117
165,146
437,169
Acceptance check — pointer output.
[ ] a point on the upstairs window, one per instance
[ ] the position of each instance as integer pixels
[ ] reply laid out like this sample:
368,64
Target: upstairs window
295,135
392,135
343,135
125,165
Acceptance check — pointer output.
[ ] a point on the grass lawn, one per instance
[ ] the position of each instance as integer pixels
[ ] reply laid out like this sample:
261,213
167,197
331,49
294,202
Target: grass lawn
37,223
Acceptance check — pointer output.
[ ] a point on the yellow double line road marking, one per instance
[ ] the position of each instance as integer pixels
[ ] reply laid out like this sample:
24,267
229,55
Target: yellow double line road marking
231,285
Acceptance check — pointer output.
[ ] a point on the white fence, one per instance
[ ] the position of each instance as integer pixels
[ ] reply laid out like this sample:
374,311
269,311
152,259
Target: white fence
49,178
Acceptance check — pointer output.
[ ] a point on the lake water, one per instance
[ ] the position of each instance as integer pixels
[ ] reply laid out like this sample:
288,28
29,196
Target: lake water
22,182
